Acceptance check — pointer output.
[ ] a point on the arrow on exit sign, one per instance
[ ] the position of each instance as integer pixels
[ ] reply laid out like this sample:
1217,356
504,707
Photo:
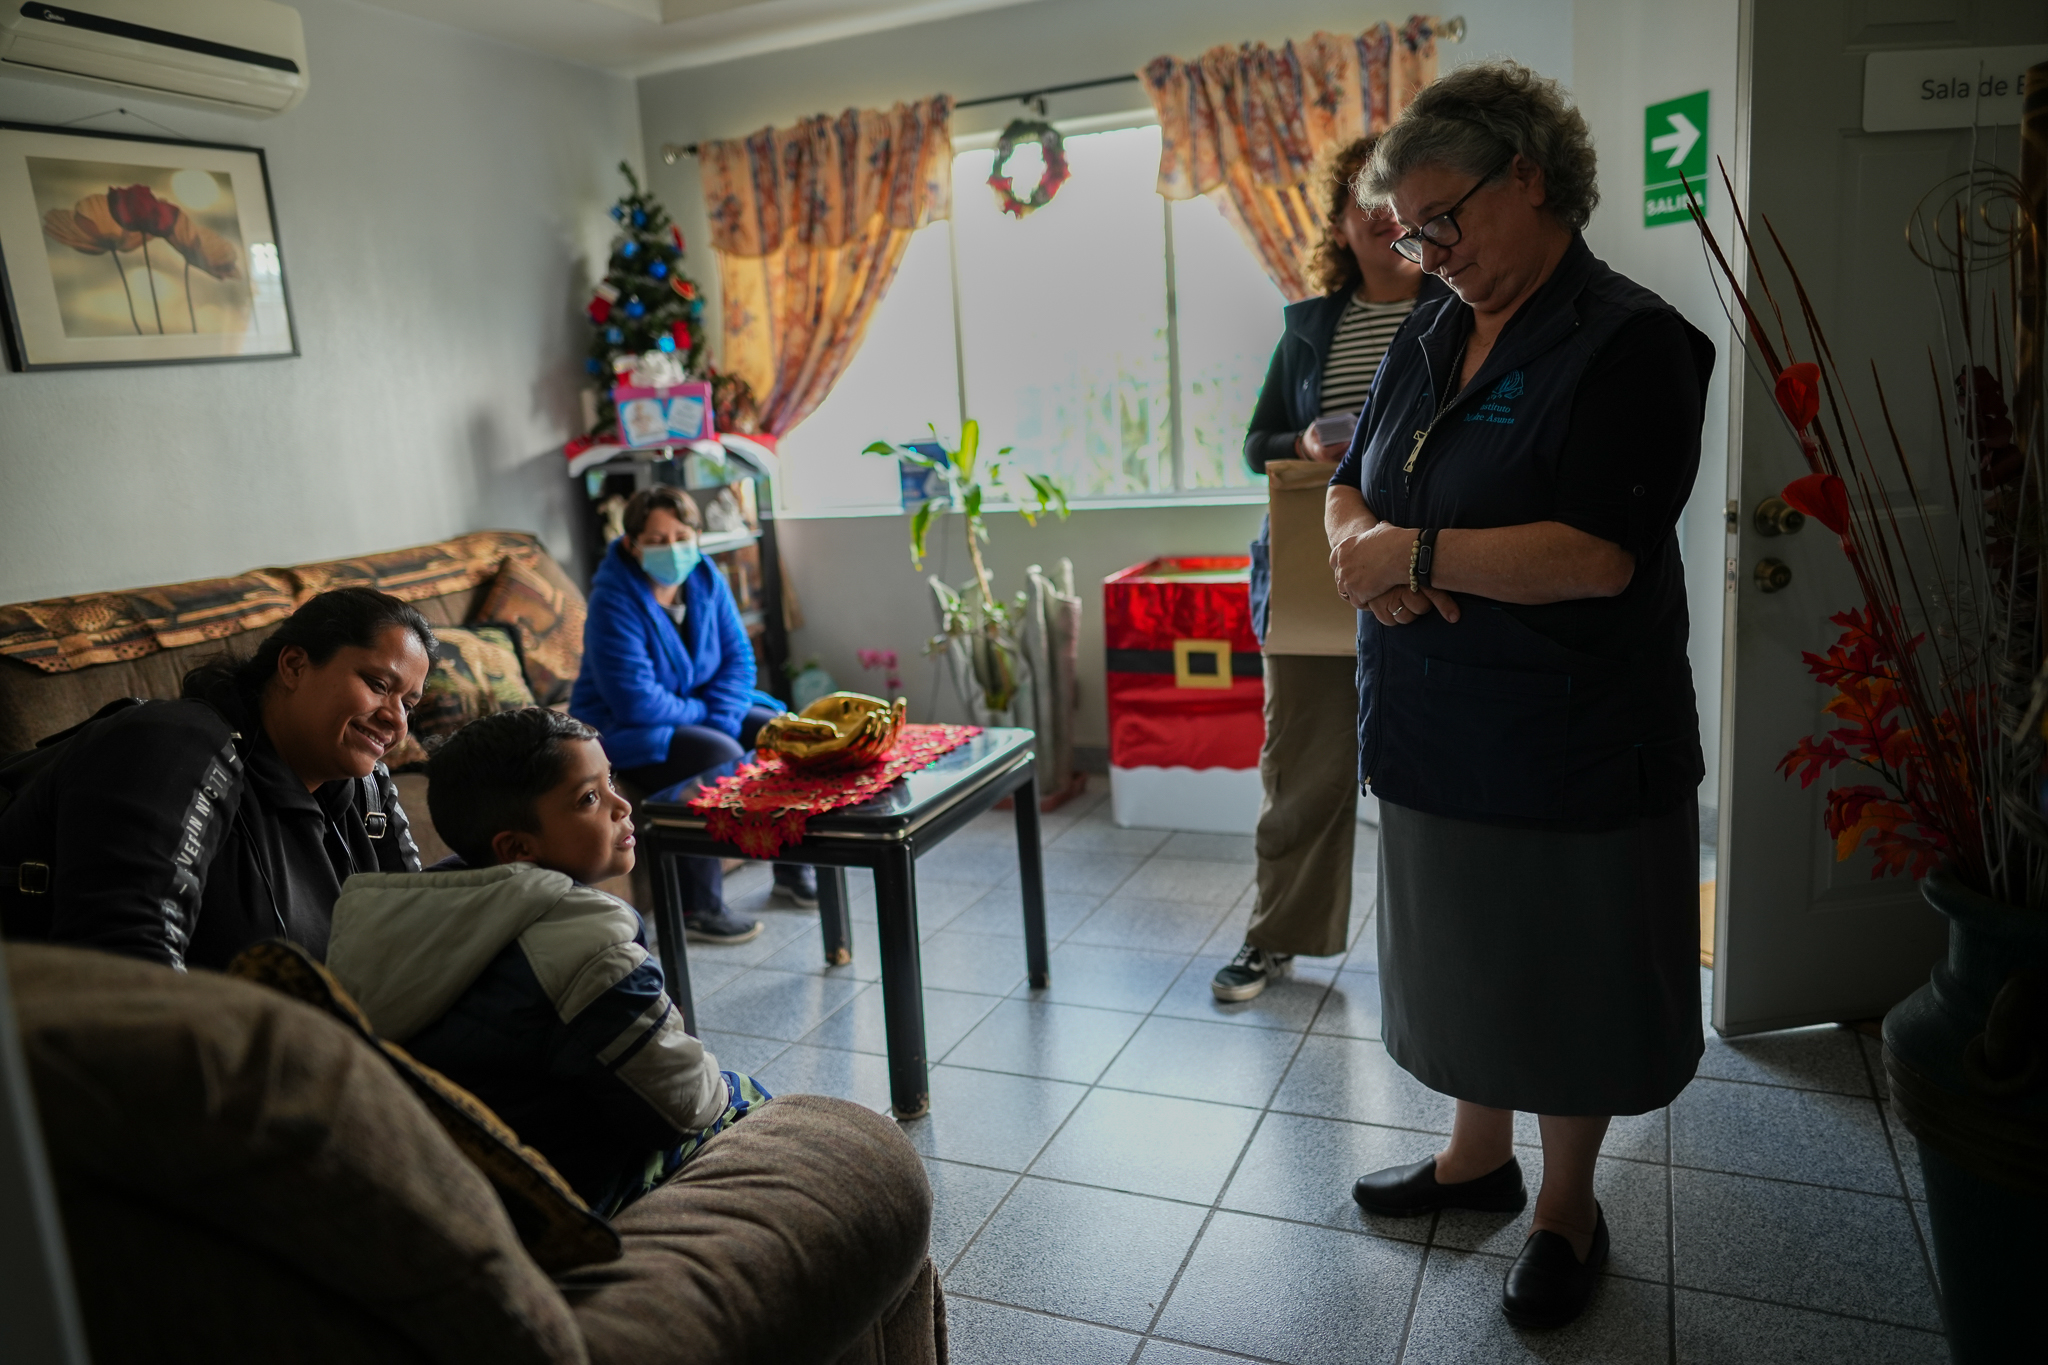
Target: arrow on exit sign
1674,151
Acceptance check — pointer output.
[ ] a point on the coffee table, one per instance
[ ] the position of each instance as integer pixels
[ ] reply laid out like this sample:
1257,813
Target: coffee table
885,833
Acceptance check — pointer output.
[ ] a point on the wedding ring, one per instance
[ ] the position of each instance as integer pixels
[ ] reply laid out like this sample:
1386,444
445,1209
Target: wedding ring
1398,610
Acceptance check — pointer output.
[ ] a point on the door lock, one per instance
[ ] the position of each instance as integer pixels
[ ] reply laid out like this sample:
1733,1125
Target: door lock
1774,518
1773,575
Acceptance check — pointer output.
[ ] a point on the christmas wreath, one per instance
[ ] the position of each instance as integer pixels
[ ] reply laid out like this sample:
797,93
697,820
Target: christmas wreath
1049,181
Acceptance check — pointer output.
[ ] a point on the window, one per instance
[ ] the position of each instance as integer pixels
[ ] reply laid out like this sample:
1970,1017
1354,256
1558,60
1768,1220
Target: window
1116,341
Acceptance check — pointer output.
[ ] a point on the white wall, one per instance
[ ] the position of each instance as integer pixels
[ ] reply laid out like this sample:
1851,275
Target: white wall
440,198
1631,55
853,573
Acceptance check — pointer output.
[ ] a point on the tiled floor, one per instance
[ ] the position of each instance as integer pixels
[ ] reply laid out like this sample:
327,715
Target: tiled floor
1127,1171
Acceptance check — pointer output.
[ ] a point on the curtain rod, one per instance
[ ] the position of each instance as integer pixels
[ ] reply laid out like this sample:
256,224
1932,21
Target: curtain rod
1453,31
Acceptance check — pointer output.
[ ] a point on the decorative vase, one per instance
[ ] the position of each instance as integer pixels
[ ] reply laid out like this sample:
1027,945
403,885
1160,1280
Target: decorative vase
1967,1058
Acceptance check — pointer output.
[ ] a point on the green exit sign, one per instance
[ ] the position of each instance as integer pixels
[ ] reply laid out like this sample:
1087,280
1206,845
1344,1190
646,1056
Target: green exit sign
1674,151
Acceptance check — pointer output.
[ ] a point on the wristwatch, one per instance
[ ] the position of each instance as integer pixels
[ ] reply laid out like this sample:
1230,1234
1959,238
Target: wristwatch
1421,559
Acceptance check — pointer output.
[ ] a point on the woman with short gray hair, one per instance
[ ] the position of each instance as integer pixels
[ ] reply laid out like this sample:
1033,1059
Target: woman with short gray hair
1507,525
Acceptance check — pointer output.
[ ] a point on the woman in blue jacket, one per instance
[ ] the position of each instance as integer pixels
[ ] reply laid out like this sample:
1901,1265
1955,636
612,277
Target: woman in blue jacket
668,681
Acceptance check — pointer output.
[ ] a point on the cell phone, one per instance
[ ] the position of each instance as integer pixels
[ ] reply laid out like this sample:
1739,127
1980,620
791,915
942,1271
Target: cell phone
1335,430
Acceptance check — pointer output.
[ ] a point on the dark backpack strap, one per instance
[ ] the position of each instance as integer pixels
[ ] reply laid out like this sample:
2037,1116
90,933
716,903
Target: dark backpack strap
376,821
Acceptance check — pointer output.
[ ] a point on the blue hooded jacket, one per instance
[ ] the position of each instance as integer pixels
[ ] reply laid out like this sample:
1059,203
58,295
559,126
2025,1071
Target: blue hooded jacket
642,676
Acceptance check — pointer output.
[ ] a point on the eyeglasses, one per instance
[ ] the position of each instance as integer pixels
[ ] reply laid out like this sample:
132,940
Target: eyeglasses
1442,230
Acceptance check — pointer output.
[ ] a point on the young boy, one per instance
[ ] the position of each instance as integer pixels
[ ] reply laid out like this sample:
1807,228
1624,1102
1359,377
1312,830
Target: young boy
504,969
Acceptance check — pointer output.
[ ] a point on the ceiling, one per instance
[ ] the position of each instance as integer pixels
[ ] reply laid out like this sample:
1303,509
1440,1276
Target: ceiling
640,37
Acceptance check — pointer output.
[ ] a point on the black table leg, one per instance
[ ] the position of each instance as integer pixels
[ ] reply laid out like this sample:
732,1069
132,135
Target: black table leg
833,918
902,983
669,935
1031,879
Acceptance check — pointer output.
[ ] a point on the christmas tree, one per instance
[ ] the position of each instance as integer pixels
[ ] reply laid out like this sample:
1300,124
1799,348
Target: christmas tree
645,303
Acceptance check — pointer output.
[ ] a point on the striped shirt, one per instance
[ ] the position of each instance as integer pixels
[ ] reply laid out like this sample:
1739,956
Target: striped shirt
1362,336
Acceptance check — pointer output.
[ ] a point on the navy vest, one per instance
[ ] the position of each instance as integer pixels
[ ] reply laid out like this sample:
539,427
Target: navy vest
1489,718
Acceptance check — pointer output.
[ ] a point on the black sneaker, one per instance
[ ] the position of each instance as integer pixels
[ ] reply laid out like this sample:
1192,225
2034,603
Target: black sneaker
796,884
1248,973
721,926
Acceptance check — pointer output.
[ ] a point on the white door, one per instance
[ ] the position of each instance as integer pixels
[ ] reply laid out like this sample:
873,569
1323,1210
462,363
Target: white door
1799,937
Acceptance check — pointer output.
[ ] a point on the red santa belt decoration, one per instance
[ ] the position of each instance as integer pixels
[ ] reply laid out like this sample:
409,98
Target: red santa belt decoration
1186,694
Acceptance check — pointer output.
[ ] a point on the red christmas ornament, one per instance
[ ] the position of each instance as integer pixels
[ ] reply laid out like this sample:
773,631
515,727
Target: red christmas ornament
685,288
676,233
600,309
680,330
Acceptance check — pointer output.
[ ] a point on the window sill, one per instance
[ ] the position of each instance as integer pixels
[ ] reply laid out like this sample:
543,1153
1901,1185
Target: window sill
1232,497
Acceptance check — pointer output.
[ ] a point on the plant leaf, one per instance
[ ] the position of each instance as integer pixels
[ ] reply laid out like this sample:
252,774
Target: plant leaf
970,442
920,522
880,448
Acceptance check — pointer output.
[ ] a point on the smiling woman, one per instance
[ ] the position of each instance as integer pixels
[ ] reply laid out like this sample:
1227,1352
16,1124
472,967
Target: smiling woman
184,831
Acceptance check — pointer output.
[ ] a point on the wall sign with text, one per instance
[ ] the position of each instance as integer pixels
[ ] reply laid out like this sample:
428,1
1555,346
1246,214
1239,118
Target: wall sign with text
1674,151
1946,87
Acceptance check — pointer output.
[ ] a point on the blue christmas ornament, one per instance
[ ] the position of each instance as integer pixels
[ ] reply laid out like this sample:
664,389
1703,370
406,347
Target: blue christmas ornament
697,308
666,342
634,308
639,218
614,335
659,270
592,366
630,250
618,214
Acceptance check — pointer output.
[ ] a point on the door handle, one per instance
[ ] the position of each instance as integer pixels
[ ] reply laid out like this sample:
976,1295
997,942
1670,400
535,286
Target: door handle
1774,518
1773,575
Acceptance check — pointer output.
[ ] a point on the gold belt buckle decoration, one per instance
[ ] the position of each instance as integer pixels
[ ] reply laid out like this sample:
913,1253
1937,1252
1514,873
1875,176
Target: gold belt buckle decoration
1201,663
376,822
32,879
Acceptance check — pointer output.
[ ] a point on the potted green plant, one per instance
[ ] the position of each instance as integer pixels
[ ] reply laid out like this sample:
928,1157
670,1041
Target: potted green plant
1012,659
1948,722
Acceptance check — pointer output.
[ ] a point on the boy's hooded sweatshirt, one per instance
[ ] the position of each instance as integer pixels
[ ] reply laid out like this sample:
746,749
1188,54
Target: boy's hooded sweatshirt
537,995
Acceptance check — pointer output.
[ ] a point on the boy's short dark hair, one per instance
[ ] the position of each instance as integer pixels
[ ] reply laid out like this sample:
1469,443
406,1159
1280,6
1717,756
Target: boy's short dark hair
487,776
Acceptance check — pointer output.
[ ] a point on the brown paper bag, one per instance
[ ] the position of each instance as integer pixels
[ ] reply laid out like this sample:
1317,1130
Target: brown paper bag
1306,616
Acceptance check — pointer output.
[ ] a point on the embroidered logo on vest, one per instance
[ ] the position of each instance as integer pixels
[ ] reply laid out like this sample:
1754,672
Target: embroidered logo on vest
1497,407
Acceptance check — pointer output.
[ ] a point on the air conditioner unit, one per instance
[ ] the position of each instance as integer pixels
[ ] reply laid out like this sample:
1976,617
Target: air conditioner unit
243,56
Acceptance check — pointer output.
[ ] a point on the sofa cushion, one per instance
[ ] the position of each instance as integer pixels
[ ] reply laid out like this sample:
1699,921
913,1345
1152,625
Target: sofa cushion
787,1238
63,658
475,672
265,1123
534,597
558,1228
64,634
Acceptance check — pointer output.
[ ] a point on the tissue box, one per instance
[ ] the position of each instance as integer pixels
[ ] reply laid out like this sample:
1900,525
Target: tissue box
667,416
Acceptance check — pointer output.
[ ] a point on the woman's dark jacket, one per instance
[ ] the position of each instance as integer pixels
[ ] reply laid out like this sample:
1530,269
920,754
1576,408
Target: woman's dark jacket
643,675
1587,411
174,832
1291,398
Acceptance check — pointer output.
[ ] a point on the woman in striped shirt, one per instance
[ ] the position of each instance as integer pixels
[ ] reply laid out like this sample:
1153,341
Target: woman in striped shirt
1322,369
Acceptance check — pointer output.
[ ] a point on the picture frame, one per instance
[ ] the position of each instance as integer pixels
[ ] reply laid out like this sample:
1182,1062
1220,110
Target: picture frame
124,250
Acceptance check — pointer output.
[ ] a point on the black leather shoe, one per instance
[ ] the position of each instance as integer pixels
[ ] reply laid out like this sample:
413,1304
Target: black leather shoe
1548,1285
1404,1191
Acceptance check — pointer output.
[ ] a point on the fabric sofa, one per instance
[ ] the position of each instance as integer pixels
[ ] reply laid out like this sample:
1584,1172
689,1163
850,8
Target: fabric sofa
228,1159
244,1179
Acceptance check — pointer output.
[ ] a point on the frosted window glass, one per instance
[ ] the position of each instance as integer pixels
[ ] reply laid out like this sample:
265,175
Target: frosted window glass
1228,316
902,377
1063,318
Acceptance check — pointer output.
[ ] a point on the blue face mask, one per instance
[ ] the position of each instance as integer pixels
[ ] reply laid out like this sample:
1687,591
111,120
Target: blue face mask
670,564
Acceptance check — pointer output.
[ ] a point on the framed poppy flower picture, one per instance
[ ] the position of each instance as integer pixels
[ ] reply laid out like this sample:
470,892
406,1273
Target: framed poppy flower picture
120,250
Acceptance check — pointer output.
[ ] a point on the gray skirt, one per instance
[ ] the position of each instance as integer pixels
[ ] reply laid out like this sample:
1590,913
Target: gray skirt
1542,971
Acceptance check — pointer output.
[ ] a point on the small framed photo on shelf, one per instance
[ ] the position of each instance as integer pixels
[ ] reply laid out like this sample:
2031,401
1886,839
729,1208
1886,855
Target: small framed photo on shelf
120,250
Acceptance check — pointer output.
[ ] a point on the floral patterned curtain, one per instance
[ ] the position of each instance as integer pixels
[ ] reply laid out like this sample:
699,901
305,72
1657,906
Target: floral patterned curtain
1252,123
810,224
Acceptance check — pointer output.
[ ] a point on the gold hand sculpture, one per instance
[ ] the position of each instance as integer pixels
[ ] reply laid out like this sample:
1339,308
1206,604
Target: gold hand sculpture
842,730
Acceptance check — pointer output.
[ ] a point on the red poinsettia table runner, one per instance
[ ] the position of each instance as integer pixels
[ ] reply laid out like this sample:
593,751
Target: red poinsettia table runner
766,806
